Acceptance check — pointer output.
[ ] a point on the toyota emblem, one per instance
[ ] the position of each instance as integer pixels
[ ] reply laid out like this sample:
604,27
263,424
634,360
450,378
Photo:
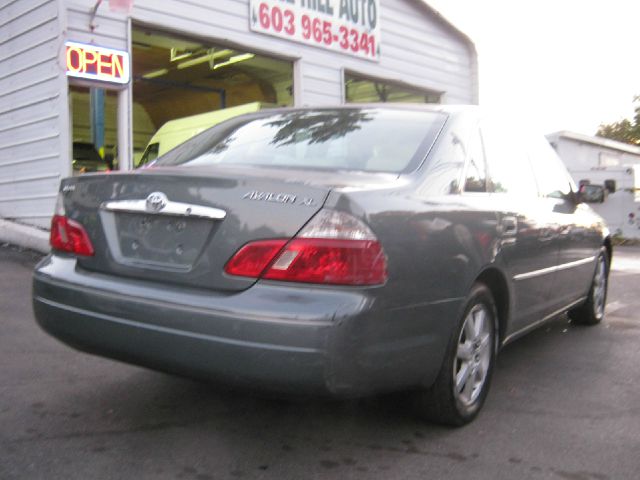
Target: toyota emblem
156,201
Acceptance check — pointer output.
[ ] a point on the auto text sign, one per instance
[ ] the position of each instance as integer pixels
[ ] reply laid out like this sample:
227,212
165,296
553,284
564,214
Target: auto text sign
347,26
92,62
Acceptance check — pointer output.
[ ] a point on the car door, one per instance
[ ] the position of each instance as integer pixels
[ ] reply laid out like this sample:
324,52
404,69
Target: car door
577,241
530,236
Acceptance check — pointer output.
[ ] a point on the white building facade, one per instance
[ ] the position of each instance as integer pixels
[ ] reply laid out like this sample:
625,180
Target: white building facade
399,43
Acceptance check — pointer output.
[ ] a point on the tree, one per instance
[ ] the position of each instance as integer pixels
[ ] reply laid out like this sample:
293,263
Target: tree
627,131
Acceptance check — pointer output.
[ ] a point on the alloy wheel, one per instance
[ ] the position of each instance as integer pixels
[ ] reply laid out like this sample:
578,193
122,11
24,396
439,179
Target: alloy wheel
600,288
473,355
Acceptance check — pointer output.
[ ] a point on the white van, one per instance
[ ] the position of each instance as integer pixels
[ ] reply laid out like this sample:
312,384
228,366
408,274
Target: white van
174,132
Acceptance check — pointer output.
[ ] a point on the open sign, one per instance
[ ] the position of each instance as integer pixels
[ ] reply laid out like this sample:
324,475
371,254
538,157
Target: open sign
97,63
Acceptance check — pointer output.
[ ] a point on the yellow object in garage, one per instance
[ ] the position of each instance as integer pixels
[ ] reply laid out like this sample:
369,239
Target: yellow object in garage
177,131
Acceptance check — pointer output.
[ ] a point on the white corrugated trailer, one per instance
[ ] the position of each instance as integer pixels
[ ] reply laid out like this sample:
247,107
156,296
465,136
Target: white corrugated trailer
402,42
600,161
621,208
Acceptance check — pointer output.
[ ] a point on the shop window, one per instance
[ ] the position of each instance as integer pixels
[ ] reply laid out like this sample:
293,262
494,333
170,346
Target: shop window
360,89
93,130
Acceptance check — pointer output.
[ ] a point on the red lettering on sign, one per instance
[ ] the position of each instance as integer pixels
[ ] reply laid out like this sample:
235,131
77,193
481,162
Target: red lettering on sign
105,66
74,59
89,61
117,65
313,22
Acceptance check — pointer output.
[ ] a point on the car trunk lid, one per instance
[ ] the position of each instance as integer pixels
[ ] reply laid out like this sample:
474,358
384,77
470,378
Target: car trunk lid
181,226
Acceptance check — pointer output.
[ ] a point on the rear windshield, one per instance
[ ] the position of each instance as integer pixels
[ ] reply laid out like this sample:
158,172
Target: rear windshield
382,140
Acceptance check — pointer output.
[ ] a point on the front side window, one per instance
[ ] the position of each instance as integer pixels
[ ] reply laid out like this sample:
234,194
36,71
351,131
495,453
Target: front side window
371,139
551,174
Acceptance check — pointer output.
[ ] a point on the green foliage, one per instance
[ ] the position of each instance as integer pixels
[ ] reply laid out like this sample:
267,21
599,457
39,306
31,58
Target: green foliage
627,131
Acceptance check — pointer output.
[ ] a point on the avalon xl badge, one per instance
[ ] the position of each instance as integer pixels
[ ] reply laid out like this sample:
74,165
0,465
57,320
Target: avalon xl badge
156,201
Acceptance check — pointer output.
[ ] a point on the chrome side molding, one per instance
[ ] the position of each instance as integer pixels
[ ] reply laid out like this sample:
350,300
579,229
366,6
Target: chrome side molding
557,268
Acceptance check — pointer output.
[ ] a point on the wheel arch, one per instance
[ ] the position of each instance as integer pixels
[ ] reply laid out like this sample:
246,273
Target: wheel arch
497,284
609,247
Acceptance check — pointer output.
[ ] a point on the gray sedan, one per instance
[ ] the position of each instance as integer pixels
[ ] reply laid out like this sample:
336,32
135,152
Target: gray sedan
344,251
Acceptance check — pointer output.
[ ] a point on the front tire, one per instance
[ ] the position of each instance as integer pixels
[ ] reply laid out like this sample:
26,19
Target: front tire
591,312
462,385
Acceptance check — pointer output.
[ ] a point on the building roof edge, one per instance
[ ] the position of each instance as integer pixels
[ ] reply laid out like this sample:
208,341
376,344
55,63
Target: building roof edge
603,142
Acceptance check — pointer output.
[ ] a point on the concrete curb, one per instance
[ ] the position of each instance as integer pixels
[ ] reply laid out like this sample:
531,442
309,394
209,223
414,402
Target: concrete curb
24,236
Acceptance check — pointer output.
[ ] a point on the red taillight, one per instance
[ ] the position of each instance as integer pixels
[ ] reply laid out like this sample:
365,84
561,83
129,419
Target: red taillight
334,248
253,258
330,261
69,236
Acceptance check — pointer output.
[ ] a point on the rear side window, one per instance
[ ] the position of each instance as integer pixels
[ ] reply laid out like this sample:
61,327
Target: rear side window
507,162
445,168
373,139
476,173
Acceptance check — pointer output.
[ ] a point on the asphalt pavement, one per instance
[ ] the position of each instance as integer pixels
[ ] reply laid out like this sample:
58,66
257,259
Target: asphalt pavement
564,404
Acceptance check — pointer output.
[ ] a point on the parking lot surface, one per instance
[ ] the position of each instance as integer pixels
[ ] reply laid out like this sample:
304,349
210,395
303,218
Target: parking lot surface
565,403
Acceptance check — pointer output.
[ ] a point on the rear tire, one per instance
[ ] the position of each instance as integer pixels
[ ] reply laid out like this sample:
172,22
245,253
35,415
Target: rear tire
462,385
591,312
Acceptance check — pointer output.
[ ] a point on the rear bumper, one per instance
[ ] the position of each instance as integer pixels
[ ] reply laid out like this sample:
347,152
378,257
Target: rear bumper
278,337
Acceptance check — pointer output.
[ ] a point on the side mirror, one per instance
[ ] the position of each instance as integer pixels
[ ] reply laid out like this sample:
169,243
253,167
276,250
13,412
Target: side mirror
591,194
610,185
